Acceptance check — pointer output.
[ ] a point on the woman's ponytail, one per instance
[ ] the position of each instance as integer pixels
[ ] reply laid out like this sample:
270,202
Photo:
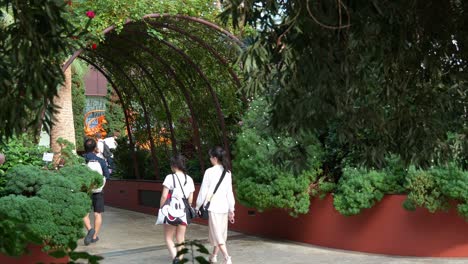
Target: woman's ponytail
221,155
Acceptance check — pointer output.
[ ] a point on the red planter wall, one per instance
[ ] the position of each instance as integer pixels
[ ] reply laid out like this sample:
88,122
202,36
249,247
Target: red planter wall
386,228
35,256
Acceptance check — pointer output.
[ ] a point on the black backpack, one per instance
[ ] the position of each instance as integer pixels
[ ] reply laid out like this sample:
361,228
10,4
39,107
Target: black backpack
106,150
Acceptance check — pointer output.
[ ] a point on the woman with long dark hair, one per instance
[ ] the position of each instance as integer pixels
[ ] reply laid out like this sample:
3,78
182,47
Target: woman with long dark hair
181,185
222,203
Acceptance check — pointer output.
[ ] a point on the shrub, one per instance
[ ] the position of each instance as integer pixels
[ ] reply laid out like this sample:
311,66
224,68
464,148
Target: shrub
125,166
16,235
82,177
19,150
425,190
272,169
67,153
358,189
322,187
124,162
434,188
52,204
396,173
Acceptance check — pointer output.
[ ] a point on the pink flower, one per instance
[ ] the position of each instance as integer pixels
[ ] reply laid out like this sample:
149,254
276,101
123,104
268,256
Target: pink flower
94,46
90,14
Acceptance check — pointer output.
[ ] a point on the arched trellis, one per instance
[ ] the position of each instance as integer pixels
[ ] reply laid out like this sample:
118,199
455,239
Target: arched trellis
161,69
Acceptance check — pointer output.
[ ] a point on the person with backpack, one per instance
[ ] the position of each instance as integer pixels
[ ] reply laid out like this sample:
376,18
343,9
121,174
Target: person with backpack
97,164
176,187
216,202
109,148
104,152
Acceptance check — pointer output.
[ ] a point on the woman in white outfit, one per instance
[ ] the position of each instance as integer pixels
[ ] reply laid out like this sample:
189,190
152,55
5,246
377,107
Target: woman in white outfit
221,208
179,172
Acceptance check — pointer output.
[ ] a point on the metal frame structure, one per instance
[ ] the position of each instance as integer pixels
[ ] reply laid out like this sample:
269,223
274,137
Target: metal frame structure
128,69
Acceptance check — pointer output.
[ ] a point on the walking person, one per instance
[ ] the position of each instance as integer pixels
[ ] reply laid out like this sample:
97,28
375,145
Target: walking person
182,186
99,165
104,151
222,203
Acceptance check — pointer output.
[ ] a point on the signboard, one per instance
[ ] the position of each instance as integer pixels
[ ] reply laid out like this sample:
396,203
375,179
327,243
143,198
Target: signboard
48,157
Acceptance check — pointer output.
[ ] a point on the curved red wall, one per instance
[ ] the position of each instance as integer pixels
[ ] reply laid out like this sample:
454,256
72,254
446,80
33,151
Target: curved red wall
387,228
35,255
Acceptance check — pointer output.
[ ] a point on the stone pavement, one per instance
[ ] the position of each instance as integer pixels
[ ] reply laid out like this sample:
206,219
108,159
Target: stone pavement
130,237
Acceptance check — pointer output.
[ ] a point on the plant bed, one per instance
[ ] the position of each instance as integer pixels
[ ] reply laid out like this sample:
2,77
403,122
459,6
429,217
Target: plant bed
44,207
34,255
386,228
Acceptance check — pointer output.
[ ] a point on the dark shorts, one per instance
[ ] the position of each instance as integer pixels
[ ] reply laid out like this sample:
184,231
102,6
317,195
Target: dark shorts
98,202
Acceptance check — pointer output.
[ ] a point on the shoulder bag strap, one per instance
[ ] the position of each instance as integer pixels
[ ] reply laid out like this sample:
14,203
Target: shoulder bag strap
173,182
185,197
217,185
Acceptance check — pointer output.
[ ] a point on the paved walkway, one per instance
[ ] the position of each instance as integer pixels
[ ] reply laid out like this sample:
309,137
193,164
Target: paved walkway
129,237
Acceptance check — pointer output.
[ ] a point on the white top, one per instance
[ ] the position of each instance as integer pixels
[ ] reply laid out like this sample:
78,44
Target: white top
100,147
189,187
96,166
223,200
110,142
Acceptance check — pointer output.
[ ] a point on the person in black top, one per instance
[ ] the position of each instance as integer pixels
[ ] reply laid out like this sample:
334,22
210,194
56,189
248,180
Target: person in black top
98,197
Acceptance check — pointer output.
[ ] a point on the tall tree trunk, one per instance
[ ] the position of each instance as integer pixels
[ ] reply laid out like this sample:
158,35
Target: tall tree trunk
63,126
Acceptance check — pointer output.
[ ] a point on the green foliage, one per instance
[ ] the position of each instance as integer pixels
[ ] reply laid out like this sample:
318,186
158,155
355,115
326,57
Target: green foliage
19,150
116,12
33,46
396,174
186,98
16,236
82,177
383,77
358,189
51,204
67,153
455,148
123,158
44,207
125,166
263,184
425,191
114,114
435,188
322,187
361,188
192,247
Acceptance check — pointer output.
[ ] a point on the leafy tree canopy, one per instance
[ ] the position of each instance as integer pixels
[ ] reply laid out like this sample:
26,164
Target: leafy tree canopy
382,76
117,12
33,42
36,37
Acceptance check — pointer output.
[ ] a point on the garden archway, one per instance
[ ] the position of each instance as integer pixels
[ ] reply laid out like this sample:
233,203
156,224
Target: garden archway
164,64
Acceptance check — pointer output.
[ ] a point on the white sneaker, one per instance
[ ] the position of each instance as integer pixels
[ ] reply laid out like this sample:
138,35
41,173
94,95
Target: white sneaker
227,260
213,259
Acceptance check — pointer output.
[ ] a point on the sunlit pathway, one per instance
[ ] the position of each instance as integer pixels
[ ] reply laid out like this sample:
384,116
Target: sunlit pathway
129,237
